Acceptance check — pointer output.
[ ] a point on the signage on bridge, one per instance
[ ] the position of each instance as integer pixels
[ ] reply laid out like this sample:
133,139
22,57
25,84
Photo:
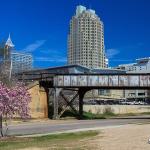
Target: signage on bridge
102,80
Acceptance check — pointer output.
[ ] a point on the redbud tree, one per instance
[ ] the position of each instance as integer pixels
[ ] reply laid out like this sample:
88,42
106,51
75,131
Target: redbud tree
14,102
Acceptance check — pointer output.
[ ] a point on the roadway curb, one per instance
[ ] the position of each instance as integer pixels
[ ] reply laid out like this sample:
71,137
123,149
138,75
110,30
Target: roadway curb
71,131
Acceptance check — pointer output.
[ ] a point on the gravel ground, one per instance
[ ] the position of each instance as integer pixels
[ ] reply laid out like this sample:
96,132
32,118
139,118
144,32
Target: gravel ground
128,137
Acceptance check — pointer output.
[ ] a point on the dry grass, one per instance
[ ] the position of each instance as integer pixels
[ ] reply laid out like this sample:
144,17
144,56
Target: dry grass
71,141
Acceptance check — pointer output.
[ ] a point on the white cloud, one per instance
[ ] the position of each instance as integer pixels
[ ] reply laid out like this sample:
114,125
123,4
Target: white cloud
51,59
32,47
52,52
52,55
110,53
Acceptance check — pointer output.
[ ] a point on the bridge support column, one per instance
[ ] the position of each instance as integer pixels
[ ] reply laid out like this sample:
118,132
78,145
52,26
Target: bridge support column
81,93
55,103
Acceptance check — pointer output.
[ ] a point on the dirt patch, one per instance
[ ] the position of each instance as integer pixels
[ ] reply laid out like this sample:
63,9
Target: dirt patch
129,137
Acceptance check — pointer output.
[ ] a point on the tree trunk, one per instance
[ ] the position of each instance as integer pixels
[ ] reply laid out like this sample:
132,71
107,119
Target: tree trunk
1,126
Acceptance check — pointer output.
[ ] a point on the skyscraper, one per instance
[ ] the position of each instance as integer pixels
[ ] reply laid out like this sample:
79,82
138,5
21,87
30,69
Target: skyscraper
86,39
13,61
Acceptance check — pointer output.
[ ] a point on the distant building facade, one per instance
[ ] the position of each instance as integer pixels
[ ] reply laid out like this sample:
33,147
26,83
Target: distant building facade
86,39
142,65
21,62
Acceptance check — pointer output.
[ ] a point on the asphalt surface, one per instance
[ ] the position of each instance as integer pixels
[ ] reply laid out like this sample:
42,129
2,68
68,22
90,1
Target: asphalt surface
47,127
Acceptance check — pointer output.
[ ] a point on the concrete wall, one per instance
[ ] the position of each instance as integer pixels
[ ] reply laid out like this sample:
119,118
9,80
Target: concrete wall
105,94
38,105
117,109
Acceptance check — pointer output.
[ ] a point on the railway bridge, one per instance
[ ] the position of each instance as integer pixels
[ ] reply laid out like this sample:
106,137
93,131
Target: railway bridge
78,80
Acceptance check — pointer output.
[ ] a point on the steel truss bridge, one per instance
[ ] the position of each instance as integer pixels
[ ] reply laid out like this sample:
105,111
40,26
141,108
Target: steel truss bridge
64,89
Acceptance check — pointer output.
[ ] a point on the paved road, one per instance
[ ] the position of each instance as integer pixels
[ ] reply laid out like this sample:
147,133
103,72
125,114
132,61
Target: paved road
48,127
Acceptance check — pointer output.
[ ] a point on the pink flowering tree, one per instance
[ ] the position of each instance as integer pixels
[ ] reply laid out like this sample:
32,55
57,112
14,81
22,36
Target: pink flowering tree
14,102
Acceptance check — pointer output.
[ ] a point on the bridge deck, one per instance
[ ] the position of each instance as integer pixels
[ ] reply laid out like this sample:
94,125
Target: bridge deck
105,81
133,81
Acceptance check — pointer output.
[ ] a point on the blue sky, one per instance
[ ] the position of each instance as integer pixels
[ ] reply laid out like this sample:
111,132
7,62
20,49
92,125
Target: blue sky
40,27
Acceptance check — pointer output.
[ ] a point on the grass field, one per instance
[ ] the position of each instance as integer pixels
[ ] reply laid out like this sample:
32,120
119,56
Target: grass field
73,141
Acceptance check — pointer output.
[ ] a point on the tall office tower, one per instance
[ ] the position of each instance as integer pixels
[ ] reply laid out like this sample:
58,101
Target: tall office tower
5,59
8,48
16,61
86,39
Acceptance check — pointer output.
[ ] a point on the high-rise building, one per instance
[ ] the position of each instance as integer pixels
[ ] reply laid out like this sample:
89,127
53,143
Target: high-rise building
86,39
16,61
9,43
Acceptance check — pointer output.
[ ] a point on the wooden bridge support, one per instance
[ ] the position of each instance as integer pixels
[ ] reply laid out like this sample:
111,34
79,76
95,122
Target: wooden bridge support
55,102
81,93
68,103
58,94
